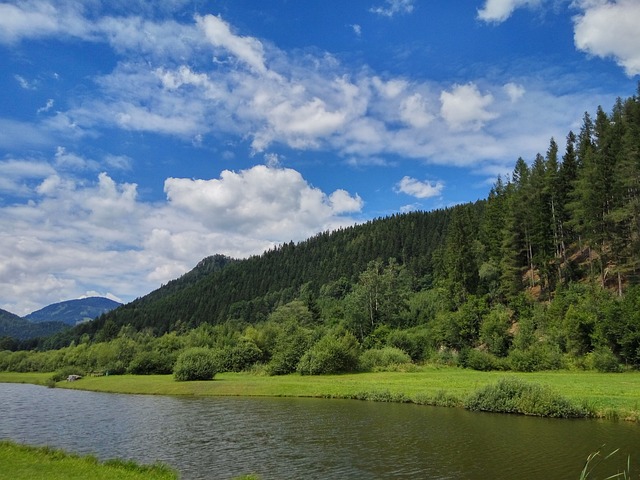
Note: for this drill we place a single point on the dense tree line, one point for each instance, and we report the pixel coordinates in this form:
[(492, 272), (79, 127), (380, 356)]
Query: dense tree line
[(542, 274)]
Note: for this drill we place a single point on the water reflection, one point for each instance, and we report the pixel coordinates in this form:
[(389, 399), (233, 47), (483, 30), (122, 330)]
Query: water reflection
[(305, 438)]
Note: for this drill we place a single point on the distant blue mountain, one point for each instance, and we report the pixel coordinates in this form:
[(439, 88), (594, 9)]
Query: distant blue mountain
[(73, 312)]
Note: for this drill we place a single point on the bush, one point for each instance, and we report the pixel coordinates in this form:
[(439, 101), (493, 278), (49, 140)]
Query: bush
[(535, 358), (516, 396), (288, 350), (382, 358), (196, 363), (603, 360), (494, 331), (413, 342), (331, 354), (239, 357), (480, 360), (152, 362)]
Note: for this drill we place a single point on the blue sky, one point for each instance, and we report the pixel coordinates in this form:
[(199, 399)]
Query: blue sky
[(136, 139)]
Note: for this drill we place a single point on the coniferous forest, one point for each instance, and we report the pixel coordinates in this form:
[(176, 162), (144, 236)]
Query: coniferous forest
[(542, 274)]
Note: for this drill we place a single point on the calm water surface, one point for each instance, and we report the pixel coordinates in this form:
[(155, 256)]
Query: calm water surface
[(219, 438)]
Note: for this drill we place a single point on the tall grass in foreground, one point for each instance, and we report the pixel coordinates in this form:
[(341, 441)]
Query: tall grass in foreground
[(595, 459)]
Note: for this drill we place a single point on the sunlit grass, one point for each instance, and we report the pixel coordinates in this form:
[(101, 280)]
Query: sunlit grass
[(21, 462), (609, 395)]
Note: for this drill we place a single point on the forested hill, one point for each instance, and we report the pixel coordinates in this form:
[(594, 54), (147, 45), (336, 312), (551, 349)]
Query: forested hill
[(14, 329), (75, 311), (542, 262), (220, 288)]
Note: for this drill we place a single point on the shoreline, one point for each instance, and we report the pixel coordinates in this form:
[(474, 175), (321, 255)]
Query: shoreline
[(614, 396)]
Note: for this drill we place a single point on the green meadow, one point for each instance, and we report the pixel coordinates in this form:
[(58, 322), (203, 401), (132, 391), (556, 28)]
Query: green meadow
[(604, 395)]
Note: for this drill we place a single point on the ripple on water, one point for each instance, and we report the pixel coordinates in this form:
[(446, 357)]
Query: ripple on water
[(280, 438)]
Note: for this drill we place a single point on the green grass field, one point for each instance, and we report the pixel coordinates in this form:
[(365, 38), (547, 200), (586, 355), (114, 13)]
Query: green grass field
[(609, 395), (21, 462)]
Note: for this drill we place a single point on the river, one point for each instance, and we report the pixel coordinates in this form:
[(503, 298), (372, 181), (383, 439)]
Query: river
[(279, 438)]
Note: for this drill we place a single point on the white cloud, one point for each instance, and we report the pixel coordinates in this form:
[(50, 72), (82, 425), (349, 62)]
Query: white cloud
[(24, 83), (602, 28), (20, 177), (341, 201), (71, 161), (464, 107), (47, 107), (500, 10), (610, 30), (419, 189), (275, 203), (118, 162), (514, 91), (272, 160), (247, 49), (36, 19), (414, 111), (391, 88), (393, 7), (258, 93), (72, 237)]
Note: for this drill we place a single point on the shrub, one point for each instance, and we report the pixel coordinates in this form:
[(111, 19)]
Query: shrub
[(480, 360), (289, 348), (196, 363), (603, 360), (535, 358), (331, 354), (516, 396), (152, 362), (413, 342), (494, 331), (382, 358), (239, 357)]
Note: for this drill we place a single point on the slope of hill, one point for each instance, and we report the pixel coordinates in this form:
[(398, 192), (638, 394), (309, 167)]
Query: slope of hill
[(72, 312), (247, 290), (13, 326)]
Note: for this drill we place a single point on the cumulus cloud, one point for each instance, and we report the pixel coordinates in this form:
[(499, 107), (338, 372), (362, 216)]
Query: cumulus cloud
[(602, 28), (464, 107), (70, 237), (266, 96), (393, 7), (419, 189), (271, 201), (610, 30)]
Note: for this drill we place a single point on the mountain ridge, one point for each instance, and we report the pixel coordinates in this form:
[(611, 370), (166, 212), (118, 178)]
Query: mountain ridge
[(72, 312)]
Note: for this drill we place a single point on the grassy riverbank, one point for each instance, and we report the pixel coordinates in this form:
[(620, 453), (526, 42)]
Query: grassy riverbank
[(21, 462), (615, 395)]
